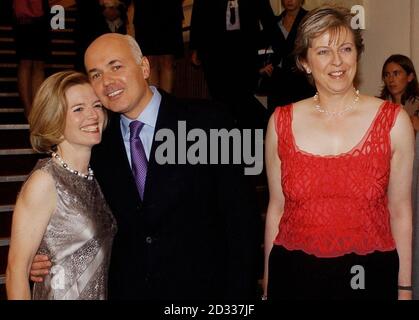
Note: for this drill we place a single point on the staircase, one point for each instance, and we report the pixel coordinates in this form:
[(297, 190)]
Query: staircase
[(16, 155)]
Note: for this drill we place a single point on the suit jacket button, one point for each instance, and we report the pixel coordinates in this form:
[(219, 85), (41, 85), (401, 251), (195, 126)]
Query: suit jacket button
[(149, 240)]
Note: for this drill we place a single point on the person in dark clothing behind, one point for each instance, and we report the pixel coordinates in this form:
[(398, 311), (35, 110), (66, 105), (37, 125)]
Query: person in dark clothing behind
[(224, 38), (92, 23), (115, 14), (32, 45), (158, 27), (287, 83)]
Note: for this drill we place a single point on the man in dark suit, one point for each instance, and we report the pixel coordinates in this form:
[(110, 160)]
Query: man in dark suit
[(191, 232), (92, 16), (288, 84), (224, 38)]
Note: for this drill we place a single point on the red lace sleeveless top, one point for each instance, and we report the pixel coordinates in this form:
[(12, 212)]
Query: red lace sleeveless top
[(335, 205)]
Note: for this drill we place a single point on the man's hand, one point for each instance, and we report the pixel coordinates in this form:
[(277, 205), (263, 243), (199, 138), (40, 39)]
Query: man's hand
[(267, 70), (405, 295), (40, 267)]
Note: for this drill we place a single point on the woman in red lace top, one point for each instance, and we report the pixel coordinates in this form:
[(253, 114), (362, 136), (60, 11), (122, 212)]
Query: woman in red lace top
[(339, 166)]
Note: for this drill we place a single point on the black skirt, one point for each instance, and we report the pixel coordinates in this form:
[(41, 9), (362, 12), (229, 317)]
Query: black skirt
[(299, 276)]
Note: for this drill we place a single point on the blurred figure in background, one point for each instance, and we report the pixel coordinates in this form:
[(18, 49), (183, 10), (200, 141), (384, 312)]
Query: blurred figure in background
[(288, 84), (115, 14), (97, 17), (225, 40), (401, 85), (32, 44), (158, 27)]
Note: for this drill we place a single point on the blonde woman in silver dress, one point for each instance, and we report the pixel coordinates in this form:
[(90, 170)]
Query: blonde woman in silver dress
[(61, 211)]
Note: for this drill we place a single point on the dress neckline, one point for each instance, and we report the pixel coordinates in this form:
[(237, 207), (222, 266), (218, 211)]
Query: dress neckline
[(357, 146)]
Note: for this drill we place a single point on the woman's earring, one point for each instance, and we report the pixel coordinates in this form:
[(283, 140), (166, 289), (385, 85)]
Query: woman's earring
[(308, 71)]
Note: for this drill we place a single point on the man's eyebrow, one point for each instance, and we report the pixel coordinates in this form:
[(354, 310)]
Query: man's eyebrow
[(93, 70), (113, 62), (110, 63)]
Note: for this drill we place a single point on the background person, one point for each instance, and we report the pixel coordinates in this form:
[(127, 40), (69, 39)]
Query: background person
[(97, 17), (288, 84), (32, 43), (115, 13), (224, 39), (158, 27), (401, 85)]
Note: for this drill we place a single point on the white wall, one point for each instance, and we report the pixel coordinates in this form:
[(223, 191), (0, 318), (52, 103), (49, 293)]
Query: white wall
[(414, 33)]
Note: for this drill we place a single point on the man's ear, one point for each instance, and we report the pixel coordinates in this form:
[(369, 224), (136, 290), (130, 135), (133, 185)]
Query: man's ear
[(145, 67)]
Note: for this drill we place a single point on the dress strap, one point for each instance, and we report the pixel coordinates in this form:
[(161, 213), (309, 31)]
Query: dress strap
[(388, 115), (283, 122), (378, 138)]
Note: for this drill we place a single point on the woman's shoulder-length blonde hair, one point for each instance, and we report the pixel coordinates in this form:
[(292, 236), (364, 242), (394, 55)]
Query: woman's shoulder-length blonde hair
[(48, 115)]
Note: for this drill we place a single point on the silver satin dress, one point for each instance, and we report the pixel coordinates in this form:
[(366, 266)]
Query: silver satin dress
[(78, 239)]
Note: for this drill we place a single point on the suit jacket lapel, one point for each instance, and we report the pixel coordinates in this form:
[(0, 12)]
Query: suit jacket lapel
[(294, 29), (161, 179), (293, 33)]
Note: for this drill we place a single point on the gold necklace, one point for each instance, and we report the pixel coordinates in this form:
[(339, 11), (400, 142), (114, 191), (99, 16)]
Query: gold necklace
[(318, 108)]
